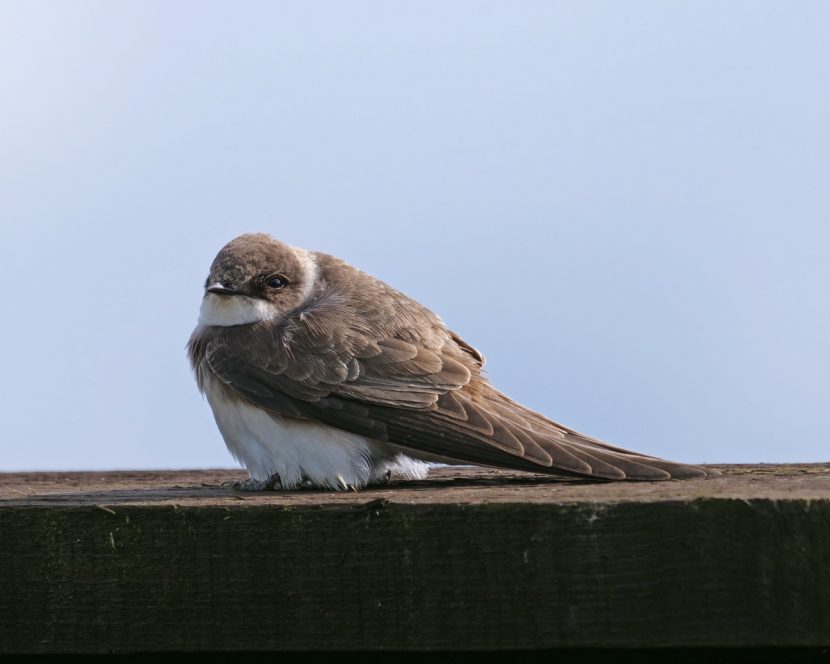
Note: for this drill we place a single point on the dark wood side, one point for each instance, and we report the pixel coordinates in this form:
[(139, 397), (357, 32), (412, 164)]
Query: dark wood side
[(474, 559)]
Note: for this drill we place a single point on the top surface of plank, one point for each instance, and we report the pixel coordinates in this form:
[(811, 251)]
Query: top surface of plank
[(459, 485)]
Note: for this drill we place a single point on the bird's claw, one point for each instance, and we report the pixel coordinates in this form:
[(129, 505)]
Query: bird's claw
[(343, 485), (250, 484)]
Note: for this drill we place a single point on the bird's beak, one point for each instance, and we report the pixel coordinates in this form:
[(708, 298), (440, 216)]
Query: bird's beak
[(221, 289)]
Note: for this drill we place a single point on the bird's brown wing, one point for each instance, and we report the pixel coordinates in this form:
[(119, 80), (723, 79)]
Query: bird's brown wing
[(427, 396)]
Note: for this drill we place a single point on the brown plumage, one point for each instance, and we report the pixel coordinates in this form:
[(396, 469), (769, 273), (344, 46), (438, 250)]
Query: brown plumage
[(326, 343)]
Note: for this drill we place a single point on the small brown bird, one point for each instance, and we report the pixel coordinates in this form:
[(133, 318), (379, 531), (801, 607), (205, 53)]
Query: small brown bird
[(320, 375)]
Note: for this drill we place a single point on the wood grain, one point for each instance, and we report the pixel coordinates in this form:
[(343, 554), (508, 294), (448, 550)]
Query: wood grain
[(471, 559)]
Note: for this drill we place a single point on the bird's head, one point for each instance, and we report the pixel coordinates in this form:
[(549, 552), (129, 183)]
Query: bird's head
[(255, 278)]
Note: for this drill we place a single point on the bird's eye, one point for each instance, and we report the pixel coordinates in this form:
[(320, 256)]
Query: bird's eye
[(277, 281)]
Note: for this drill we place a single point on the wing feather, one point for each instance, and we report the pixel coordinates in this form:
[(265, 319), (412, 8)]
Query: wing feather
[(420, 388)]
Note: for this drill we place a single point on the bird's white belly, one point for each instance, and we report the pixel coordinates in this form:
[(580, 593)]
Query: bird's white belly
[(301, 451)]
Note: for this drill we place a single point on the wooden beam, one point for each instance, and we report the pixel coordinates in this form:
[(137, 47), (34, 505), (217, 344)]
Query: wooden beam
[(471, 559)]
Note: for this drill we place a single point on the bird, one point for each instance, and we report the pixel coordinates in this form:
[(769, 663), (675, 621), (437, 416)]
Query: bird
[(321, 376)]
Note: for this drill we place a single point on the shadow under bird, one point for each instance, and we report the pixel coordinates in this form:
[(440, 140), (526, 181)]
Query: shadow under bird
[(320, 375)]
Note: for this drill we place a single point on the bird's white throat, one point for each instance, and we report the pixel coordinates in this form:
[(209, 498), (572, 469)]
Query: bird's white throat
[(223, 310)]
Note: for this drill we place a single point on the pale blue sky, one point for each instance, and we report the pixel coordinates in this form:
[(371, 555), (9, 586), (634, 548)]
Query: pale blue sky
[(624, 205)]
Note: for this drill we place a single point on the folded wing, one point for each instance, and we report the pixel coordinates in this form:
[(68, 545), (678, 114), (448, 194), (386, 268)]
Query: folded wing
[(423, 392)]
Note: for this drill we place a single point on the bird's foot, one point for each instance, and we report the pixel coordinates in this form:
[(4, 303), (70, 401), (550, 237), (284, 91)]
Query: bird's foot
[(342, 485), (271, 484)]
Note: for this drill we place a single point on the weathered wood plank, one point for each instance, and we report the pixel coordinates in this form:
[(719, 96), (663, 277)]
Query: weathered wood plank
[(473, 559)]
